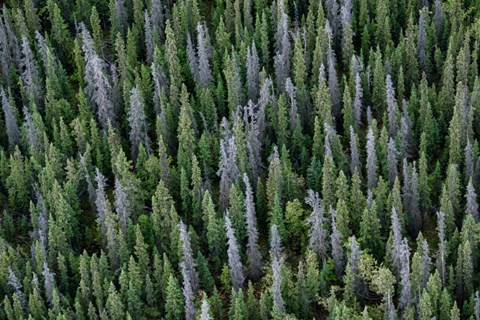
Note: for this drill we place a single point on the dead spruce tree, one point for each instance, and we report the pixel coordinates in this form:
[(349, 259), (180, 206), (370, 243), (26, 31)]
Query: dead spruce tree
[(137, 122), (204, 53), (122, 206), (355, 164), (188, 258), (227, 168), (471, 197), (253, 252), (275, 252), (253, 72), (30, 76), (188, 293), (337, 248), (234, 262), (99, 88), (252, 115), (317, 241), (13, 132), (442, 247), (392, 108), (357, 102)]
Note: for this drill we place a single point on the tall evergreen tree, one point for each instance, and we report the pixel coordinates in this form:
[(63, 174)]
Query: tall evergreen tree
[(173, 63), (173, 300), (186, 134), (422, 52)]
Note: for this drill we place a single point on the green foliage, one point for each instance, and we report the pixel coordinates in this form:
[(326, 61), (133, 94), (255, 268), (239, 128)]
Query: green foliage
[(74, 245), (173, 300), (296, 228)]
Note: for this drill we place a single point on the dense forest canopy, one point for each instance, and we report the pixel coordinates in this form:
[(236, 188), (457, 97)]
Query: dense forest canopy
[(239, 159)]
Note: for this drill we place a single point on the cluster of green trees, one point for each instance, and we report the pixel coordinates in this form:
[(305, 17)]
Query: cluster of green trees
[(239, 159)]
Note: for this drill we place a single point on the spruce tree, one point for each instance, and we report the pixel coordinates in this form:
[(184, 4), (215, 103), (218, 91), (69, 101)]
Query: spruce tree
[(173, 300), (471, 199), (99, 88), (253, 252), (188, 293), (391, 107), (13, 132), (422, 52), (234, 262), (205, 311), (253, 71), (442, 253), (275, 252), (370, 236), (227, 170), (282, 47), (405, 296), (371, 165), (396, 242), (29, 75), (317, 241), (357, 102), (186, 134), (188, 259), (49, 282), (337, 245), (173, 63), (214, 228), (114, 305), (333, 85), (137, 122), (204, 52), (16, 285)]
